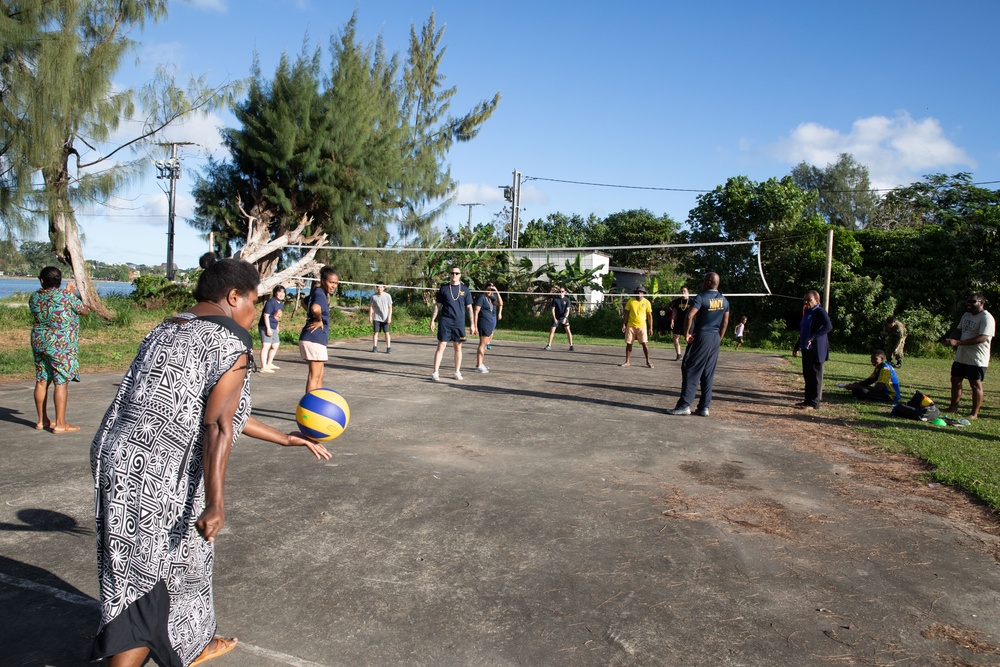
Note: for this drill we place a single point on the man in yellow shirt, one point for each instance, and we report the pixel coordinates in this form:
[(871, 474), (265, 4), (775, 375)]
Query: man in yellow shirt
[(637, 325)]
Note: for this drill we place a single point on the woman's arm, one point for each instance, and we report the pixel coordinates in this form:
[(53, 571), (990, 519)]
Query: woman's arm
[(220, 410), (258, 429)]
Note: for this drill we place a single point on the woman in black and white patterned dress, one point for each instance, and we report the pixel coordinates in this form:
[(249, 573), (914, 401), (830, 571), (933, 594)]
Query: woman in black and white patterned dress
[(159, 462)]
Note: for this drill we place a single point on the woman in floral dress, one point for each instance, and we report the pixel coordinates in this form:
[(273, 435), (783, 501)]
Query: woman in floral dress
[(55, 344)]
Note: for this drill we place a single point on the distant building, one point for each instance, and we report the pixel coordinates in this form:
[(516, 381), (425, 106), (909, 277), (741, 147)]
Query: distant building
[(588, 260)]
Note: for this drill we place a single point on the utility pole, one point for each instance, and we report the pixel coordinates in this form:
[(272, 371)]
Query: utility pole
[(171, 170), (469, 206), (512, 193)]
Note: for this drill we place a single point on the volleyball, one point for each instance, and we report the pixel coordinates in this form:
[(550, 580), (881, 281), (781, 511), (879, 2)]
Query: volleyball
[(322, 414)]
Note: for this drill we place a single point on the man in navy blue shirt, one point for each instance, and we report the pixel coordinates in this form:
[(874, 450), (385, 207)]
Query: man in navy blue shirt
[(704, 329), (815, 347), (453, 301)]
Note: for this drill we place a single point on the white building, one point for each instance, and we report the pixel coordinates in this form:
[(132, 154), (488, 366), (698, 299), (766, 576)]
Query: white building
[(589, 260)]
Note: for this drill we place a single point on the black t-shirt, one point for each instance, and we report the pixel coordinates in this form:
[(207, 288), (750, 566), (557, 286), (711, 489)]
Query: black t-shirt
[(561, 304), (453, 300)]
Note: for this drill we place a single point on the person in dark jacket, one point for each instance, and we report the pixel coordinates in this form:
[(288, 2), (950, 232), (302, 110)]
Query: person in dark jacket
[(815, 346)]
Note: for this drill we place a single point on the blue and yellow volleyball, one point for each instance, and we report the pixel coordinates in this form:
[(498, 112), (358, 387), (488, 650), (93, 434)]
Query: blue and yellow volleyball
[(322, 414)]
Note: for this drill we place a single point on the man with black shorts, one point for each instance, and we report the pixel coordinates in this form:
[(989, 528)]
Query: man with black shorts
[(560, 316), (453, 301), (705, 327), (971, 341), (678, 318)]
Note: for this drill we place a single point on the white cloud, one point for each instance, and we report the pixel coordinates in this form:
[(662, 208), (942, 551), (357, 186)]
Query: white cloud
[(468, 193), (209, 5), (897, 150)]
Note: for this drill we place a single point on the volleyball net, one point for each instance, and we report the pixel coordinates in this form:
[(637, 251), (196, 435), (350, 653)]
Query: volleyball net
[(422, 269)]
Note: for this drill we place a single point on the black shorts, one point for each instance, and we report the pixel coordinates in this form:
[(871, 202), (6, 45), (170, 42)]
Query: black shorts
[(564, 323), (968, 372), (381, 327), (449, 333)]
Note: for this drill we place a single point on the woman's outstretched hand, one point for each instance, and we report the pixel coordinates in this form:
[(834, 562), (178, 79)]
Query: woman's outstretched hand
[(318, 449)]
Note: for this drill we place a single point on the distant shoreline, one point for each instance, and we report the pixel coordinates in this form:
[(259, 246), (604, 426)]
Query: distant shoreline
[(113, 282)]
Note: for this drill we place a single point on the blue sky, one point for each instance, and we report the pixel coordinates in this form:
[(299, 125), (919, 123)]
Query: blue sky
[(657, 94)]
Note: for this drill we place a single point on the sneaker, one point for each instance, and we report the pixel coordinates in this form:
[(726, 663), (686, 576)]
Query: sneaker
[(570, 348), (488, 346), (680, 411), (436, 376), (679, 357), (482, 369), (374, 348), (548, 347), (388, 350), (457, 375), (702, 412)]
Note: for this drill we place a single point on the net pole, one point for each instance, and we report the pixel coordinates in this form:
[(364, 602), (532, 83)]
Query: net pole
[(829, 269)]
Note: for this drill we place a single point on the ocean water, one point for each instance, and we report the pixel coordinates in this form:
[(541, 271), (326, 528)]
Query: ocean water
[(11, 286)]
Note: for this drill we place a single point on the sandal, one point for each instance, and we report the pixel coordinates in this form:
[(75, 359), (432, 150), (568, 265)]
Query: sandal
[(222, 647), (69, 429)]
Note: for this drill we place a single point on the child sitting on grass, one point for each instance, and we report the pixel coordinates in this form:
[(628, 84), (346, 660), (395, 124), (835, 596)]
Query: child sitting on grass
[(881, 385)]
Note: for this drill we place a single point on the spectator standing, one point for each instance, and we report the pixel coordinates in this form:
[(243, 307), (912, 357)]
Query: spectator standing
[(560, 316), (895, 339), (705, 327), (815, 346), (55, 345), (971, 341), (380, 316)]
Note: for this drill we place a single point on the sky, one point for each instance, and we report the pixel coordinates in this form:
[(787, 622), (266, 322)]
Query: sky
[(667, 98)]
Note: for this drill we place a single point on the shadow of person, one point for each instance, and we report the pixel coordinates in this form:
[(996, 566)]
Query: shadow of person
[(11, 415), (42, 520), (45, 620)]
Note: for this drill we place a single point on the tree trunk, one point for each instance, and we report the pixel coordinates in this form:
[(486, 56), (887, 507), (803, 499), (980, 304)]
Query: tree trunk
[(65, 238), (264, 252)]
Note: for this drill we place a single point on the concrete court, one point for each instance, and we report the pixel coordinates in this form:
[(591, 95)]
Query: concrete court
[(547, 513)]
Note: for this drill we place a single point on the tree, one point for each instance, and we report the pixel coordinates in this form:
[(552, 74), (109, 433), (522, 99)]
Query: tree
[(430, 131), (559, 230), (634, 227), (61, 106), (843, 193), (356, 158)]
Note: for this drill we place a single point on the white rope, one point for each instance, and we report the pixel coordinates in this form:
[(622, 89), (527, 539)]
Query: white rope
[(512, 250)]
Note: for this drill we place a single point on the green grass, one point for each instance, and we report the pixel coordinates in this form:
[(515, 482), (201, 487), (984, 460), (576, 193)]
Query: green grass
[(968, 458)]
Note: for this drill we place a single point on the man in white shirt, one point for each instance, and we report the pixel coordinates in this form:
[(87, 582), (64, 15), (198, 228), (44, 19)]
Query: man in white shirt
[(971, 341)]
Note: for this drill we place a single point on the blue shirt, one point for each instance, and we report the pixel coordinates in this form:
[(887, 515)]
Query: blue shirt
[(712, 308), (270, 308), (322, 336), (453, 300), (485, 304)]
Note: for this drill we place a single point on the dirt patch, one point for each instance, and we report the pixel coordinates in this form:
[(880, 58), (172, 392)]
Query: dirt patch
[(967, 639), (866, 463)]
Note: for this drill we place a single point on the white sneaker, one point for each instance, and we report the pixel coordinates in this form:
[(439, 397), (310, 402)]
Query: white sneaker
[(436, 376), (482, 369), (548, 347), (457, 375)]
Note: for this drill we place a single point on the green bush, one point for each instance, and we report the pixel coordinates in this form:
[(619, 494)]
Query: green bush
[(605, 321), (156, 292), (924, 331)]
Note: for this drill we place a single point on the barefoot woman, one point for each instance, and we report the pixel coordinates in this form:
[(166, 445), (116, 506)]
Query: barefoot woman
[(159, 463)]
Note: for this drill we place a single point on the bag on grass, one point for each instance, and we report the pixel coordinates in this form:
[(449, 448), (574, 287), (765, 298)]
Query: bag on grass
[(919, 407)]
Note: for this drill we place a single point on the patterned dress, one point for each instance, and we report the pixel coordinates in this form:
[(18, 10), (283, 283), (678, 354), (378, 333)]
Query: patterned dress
[(55, 337), (155, 569)]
